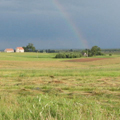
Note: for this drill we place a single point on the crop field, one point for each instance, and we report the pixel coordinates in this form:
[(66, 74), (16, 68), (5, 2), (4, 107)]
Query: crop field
[(37, 86)]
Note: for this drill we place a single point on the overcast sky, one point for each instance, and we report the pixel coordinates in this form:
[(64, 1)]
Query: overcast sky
[(58, 24)]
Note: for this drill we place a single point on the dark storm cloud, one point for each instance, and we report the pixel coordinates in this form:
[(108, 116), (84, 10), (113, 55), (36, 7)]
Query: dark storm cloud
[(42, 23)]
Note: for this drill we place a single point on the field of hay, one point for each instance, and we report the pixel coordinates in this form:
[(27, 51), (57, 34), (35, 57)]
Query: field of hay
[(38, 86)]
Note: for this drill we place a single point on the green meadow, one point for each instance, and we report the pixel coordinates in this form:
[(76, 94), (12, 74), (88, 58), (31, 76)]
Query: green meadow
[(37, 86)]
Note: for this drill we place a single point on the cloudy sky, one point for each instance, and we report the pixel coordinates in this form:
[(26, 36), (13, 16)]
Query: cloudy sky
[(57, 24)]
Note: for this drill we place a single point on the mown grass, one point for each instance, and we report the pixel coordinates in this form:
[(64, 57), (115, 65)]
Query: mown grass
[(34, 88), (38, 73)]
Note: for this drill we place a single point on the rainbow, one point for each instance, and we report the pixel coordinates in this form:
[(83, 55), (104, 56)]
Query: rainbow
[(71, 24)]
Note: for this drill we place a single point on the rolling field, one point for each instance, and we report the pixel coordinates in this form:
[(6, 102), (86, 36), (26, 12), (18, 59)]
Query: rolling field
[(36, 86)]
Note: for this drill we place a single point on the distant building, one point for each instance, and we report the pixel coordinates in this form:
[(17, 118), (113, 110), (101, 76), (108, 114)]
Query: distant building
[(9, 50), (20, 49), (85, 54)]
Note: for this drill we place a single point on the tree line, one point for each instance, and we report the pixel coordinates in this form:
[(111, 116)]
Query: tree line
[(94, 51)]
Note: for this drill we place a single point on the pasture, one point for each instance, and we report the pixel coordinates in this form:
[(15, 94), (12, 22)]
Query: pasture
[(36, 86)]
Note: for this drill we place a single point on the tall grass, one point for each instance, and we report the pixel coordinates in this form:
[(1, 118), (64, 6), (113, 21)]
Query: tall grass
[(43, 88), (53, 108)]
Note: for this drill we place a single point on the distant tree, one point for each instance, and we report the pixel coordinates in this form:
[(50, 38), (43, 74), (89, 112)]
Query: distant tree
[(71, 50), (29, 48), (95, 50), (24, 48), (110, 54)]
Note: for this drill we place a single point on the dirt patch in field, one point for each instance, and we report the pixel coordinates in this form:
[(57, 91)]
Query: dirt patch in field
[(56, 81), (86, 59)]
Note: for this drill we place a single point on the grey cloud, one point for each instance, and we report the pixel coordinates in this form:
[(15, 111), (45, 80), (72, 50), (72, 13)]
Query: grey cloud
[(41, 21)]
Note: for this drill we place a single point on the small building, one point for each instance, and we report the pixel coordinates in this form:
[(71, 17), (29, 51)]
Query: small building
[(9, 50), (85, 54), (20, 49)]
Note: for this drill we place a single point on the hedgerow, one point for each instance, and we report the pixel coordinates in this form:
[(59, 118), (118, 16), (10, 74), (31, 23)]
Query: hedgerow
[(69, 55)]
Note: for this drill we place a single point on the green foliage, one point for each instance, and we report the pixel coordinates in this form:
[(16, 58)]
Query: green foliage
[(45, 107), (50, 51), (110, 54), (69, 55), (29, 48), (94, 51)]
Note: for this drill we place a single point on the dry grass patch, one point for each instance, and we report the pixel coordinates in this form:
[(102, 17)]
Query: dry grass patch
[(87, 59), (37, 64), (105, 62)]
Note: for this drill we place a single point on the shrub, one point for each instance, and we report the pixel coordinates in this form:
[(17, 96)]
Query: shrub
[(110, 54), (69, 55)]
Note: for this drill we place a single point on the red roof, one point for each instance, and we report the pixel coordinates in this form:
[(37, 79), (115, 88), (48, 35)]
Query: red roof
[(20, 48), (9, 49)]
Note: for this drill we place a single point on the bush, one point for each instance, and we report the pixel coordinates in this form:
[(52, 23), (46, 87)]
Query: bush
[(69, 55), (110, 54)]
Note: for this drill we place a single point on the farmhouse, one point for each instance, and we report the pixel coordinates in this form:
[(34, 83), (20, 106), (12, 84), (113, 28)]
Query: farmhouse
[(19, 49), (9, 50)]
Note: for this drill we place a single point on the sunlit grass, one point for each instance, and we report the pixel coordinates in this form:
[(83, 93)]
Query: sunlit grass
[(38, 86)]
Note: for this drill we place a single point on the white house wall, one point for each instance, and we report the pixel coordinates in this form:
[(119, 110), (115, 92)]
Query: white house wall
[(19, 50)]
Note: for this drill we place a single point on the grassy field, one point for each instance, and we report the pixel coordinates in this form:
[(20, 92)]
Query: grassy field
[(36, 86)]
